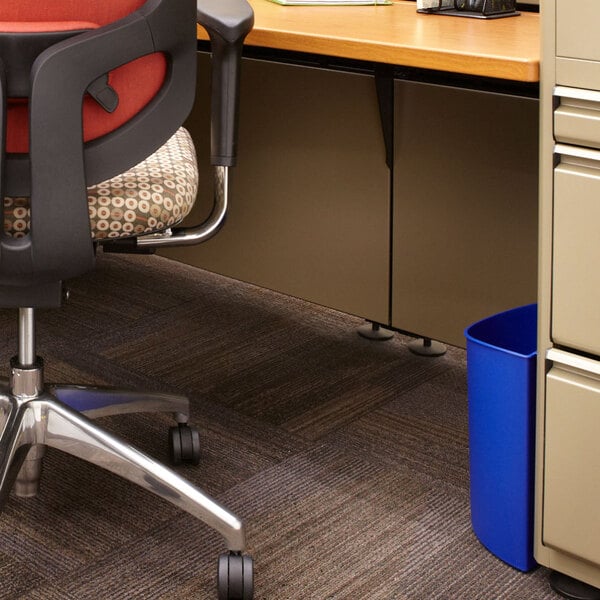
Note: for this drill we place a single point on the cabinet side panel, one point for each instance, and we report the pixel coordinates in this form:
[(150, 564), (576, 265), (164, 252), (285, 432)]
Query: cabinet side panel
[(543, 554)]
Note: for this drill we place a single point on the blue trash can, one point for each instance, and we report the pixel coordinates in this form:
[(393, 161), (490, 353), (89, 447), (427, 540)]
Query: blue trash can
[(501, 371)]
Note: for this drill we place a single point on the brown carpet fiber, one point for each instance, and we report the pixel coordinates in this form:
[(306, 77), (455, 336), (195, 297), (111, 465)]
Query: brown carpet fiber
[(347, 459)]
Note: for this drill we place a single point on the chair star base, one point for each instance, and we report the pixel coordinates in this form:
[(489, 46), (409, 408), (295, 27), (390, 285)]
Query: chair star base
[(33, 418)]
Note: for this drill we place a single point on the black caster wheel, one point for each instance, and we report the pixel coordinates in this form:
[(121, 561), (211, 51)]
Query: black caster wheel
[(235, 579), (184, 445)]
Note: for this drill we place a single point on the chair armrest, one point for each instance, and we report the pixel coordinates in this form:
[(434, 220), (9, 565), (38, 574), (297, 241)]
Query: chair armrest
[(227, 23), (230, 19)]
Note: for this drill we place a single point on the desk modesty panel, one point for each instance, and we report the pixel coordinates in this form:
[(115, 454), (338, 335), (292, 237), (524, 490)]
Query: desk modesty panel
[(330, 206), (465, 207), (502, 48)]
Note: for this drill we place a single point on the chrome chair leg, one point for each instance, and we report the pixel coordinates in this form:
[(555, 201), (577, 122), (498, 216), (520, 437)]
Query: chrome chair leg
[(75, 434), (97, 402), (27, 483), (33, 416), (44, 420), (12, 449)]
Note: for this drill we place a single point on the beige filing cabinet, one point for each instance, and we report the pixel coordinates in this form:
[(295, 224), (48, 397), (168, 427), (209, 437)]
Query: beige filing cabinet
[(567, 536), (312, 197)]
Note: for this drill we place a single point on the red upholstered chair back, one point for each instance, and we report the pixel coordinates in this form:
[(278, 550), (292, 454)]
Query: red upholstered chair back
[(99, 11), (136, 83), (61, 136)]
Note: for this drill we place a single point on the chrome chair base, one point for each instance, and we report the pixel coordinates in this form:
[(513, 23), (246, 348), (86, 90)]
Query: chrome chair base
[(33, 416)]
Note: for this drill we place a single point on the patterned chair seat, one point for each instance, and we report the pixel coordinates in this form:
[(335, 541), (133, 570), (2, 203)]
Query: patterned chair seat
[(154, 195)]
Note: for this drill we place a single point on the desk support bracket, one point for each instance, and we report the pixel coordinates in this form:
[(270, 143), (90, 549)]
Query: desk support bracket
[(384, 84)]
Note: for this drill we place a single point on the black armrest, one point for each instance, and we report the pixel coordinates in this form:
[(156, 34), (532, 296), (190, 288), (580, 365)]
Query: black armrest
[(227, 23)]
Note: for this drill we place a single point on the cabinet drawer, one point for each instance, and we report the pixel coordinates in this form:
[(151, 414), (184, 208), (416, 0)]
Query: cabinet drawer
[(571, 520), (577, 117), (576, 250), (577, 29)]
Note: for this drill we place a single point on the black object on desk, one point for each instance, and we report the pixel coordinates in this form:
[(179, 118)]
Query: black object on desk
[(478, 9)]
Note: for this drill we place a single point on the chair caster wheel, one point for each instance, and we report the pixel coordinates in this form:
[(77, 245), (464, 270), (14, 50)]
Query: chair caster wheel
[(235, 579), (184, 445)]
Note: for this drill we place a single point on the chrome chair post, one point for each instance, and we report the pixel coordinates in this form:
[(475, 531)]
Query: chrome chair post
[(26, 354)]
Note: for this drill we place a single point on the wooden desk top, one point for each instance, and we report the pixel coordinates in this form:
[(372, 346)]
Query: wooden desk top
[(504, 48)]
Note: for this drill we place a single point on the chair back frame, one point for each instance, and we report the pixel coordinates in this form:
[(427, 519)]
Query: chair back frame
[(60, 166)]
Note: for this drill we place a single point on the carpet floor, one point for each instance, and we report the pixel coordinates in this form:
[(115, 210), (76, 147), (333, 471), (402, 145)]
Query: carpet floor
[(347, 459)]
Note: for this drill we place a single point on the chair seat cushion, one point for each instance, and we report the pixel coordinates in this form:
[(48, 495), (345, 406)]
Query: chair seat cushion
[(154, 195)]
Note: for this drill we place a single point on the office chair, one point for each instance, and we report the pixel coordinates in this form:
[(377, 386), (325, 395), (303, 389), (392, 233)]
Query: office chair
[(92, 97)]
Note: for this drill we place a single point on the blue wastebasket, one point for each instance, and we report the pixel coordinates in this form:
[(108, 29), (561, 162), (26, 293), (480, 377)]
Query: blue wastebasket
[(501, 371)]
